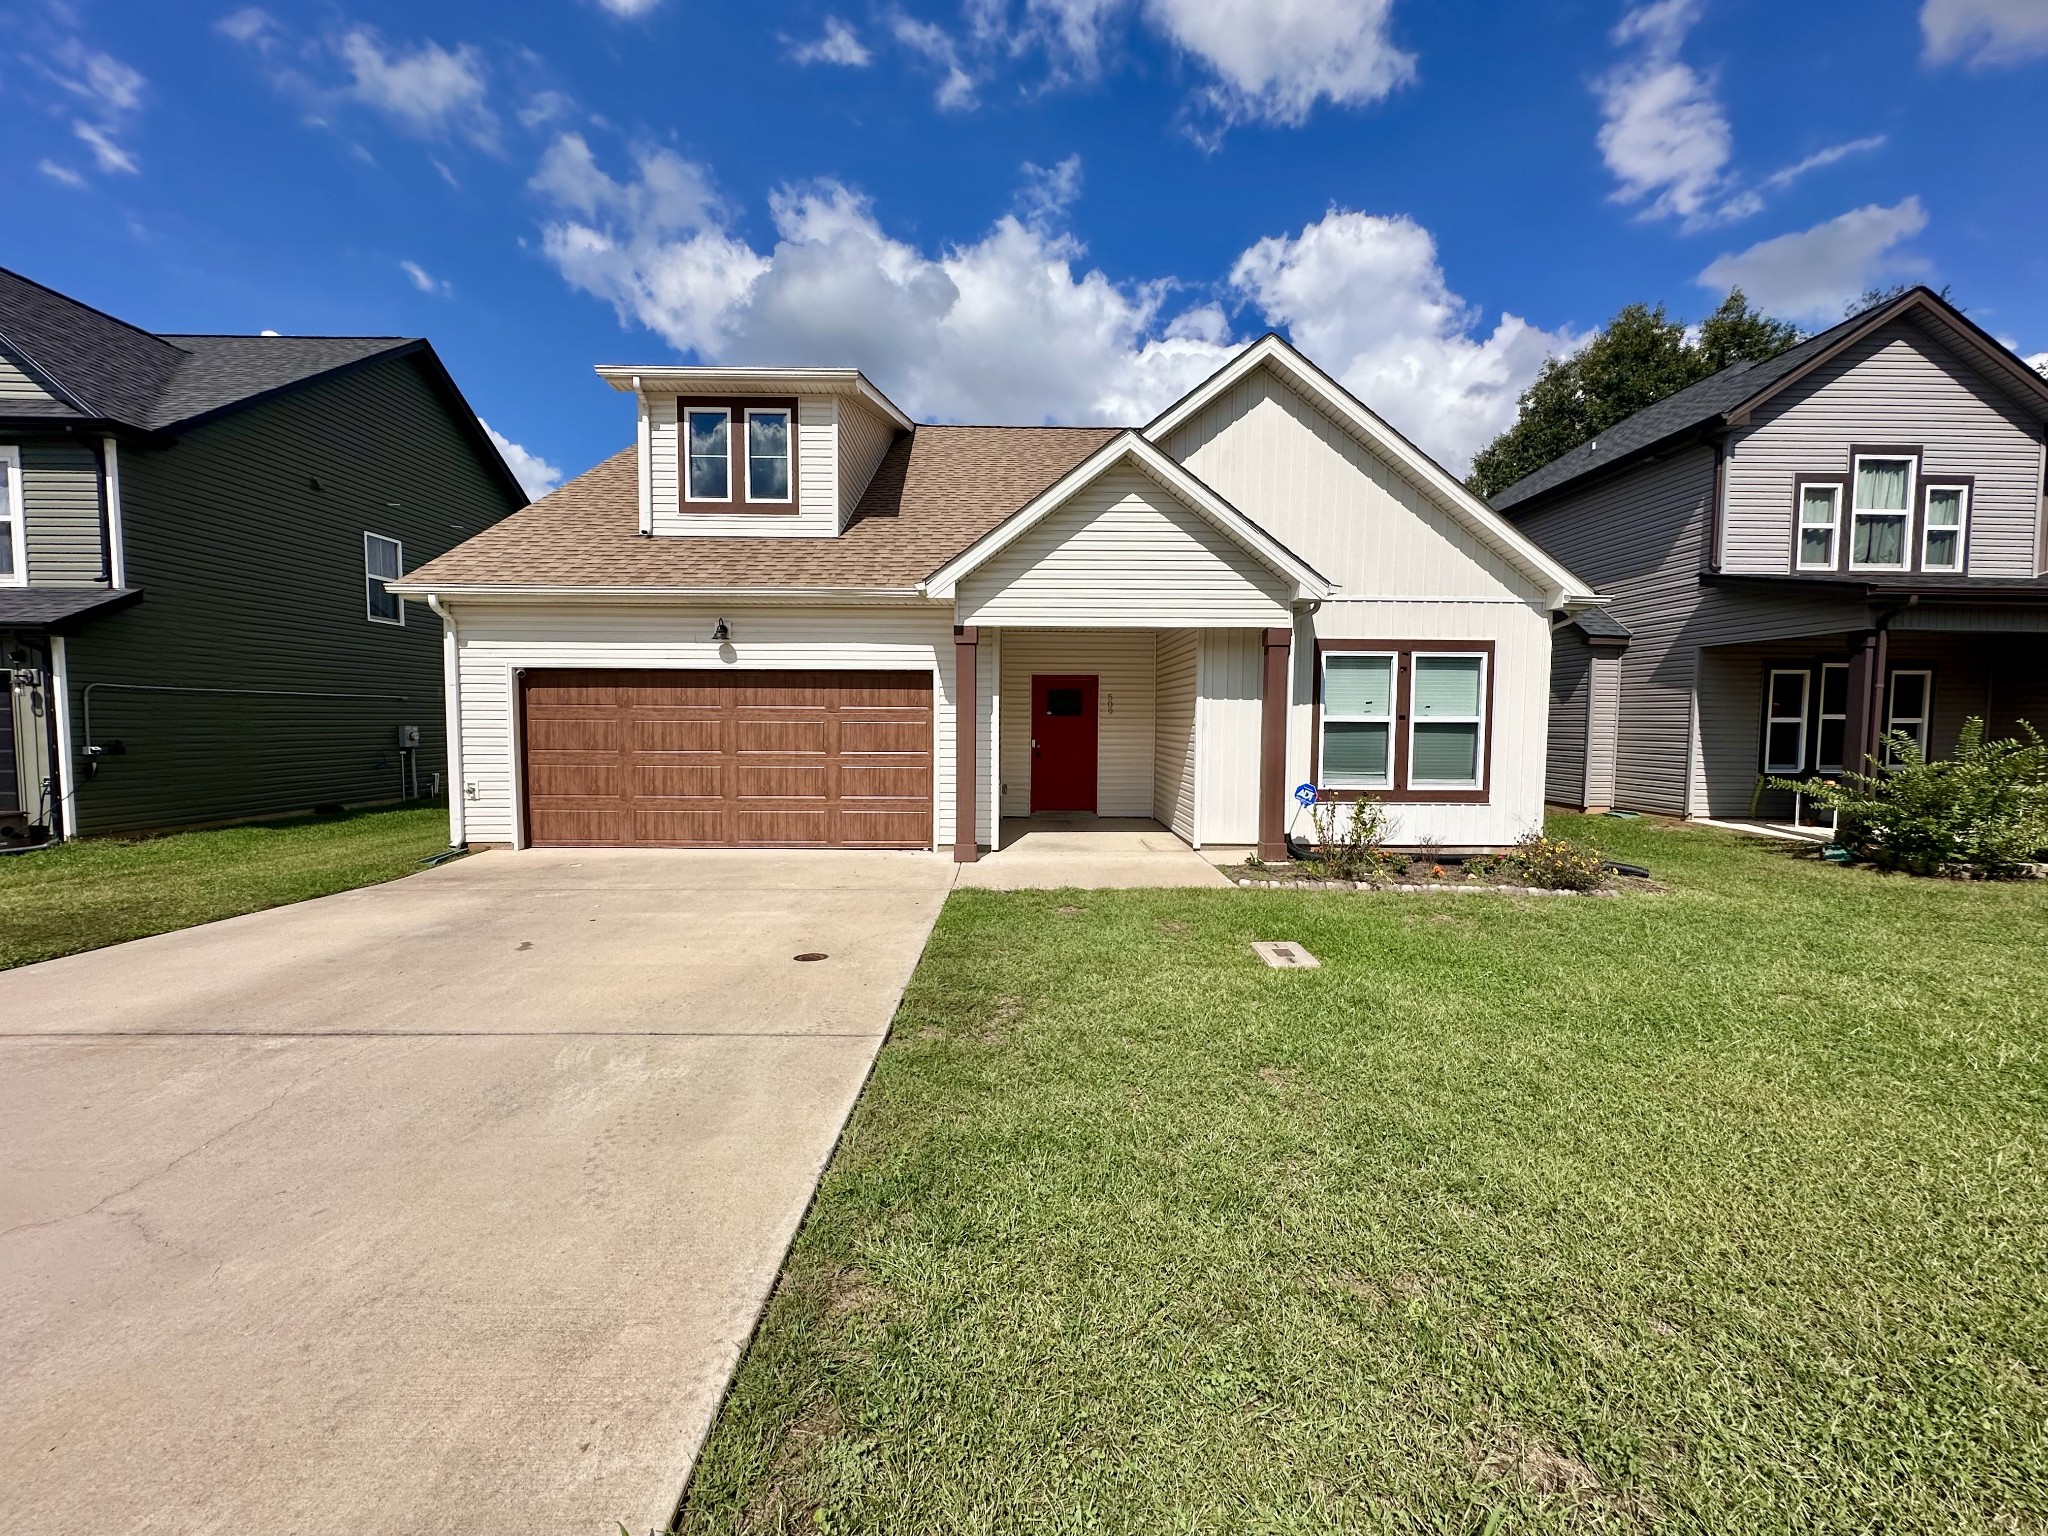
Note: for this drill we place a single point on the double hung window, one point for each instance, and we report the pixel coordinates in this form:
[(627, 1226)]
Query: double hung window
[(1409, 721), (1942, 524), (13, 532), (383, 561), (1880, 522)]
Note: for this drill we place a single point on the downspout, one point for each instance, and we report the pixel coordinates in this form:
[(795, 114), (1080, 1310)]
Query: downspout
[(60, 714), (451, 685), (645, 455), (117, 543)]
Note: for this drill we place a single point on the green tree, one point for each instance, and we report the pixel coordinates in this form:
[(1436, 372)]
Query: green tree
[(1639, 357), (1873, 296)]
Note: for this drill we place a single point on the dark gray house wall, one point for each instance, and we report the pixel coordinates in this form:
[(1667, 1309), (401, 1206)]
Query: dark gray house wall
[(1906, 384), (60, 492), (1571, 693), (246, 536)]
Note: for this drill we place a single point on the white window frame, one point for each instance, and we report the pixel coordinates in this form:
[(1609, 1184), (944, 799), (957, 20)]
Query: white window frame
[(1805, 676), (1821, 716), (1855, 512), (1478, 779), (1393, 660), (1833, 526), (370, 576), (748, 488), (17, 518), (1922, 722), (684, 433), (1962, 525)]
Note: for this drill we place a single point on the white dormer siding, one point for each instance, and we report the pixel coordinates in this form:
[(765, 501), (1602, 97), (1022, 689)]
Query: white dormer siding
[(817, 513), (864, 437)]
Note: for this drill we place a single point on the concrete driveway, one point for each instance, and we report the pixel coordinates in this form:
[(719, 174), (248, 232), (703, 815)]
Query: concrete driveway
[(443, 1206)]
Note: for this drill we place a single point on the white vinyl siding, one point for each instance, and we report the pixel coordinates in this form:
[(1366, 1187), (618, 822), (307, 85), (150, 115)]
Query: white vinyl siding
[(1298, 473), (1229, 719), (1904, 384), (496, 640), (1173, 746), (1124, 663), (817, 478), (1123, 551), (865, 437)]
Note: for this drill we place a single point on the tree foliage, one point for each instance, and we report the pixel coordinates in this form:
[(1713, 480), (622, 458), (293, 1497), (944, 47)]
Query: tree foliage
[(1639, 357)]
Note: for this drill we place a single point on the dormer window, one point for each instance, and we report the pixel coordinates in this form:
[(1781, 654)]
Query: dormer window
[(707, 430), (768, 455)]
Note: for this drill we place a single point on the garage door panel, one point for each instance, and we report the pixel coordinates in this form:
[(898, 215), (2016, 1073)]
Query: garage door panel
[(683, 759)]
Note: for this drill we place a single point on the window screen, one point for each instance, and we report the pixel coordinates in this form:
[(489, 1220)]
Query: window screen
[(1449, 694), (1358, 720)]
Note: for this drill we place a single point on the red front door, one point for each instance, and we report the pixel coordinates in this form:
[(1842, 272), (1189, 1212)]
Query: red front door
[(1062, 744)]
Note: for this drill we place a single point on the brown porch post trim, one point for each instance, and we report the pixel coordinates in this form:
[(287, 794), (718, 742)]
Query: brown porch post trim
[(1880, 661), (1273, 748), (1856, 734), (966, 723)]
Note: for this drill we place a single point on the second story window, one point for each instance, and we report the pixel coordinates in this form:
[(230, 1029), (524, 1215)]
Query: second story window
[(1880, 523), (1820, 526), (768, 455), (707, 434), (383, 561), (13, 530), (1941, 538)]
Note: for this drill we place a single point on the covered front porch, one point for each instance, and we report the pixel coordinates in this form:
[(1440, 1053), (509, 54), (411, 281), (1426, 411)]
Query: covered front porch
[(1118, 736)]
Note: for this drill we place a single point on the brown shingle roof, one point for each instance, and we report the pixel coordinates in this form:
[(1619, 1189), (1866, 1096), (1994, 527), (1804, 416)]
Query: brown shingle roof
[(937, 491)]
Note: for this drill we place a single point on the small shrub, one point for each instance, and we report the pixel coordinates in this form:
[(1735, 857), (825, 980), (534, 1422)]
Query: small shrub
[(1555, 863), (1983, 809), (1349, 840)]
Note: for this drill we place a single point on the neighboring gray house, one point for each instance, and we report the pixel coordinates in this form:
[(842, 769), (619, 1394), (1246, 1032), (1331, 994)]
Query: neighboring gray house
[(195, 532), (1796, 557)]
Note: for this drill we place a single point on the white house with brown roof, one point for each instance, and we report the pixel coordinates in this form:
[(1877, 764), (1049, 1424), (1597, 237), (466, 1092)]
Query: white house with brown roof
[(791, 616)]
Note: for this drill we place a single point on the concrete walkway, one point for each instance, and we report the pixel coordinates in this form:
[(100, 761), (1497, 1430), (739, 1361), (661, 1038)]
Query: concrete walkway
[(1052, 853), (441, 1206)]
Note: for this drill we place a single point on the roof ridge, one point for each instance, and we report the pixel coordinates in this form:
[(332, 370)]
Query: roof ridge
[(286, 336), (94, 309)]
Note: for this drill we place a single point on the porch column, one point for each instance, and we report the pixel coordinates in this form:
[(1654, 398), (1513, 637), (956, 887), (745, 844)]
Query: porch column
[(1863, 731), (1273, 749), (966, 653)]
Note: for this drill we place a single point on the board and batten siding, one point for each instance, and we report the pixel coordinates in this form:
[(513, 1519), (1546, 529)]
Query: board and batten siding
[(1310, 482), (817, 513), (865, 436), (1124, 551), (1901, 385), (60, 494), (16, 382), (1520, 684), (1124, 663), (246, 537), (1228, 722), (1173, 745), (495, 641)]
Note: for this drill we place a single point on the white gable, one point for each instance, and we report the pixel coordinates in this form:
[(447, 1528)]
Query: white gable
[(1123, 551), (1311, 483)]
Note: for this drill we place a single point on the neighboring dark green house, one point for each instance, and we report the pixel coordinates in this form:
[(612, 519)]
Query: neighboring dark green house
[(194, 536)]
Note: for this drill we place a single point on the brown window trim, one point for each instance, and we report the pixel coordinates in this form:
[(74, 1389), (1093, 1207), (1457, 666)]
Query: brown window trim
[(1912, 451), (735, 456), (1404, 653)]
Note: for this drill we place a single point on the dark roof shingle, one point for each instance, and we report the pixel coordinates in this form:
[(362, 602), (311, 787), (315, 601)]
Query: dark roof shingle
[(938, 489)]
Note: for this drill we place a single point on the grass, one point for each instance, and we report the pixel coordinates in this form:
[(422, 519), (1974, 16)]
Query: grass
[(1718, 1210), (99, 891)]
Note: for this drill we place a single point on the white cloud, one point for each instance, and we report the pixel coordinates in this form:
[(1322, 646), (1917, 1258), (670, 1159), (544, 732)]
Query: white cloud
[(1014, 326), (1812, 274), (106, 154), (956, 92), (544, 107), (425, 281), (630, 9), (1276, 59), (63, 173), (1664, 135), (533, 472), (1982, 32), (106, 92), (1777, 181), (429, 92), (248, 26), (839, 44), (1048, 193), (1365, 296)]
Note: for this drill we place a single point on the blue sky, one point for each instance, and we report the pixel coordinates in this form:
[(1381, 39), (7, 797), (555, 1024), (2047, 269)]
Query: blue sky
[(1018, 210)]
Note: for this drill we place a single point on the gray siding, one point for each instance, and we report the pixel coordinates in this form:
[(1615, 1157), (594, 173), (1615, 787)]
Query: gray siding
[(1571, 692), (1603, 711), (246, 536), (15, 382), (60, 493), (1901, 385)]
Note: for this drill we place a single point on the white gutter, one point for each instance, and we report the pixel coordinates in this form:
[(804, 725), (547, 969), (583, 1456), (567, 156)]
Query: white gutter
[(67, 789), (675, 378), (451, 687), (756, 596), (117, 550)]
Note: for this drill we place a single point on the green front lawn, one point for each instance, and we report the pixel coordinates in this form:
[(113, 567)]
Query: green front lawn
[(101, 890), (1717, 1210)]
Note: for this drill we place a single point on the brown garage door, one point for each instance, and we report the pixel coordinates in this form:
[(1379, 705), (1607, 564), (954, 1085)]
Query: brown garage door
[(728, 759)]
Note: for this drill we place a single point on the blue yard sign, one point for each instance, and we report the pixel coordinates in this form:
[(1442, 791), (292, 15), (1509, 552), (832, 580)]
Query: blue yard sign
[(1305, 794)]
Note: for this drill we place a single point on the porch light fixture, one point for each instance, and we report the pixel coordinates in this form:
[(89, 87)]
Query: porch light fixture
[(723, 633)]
